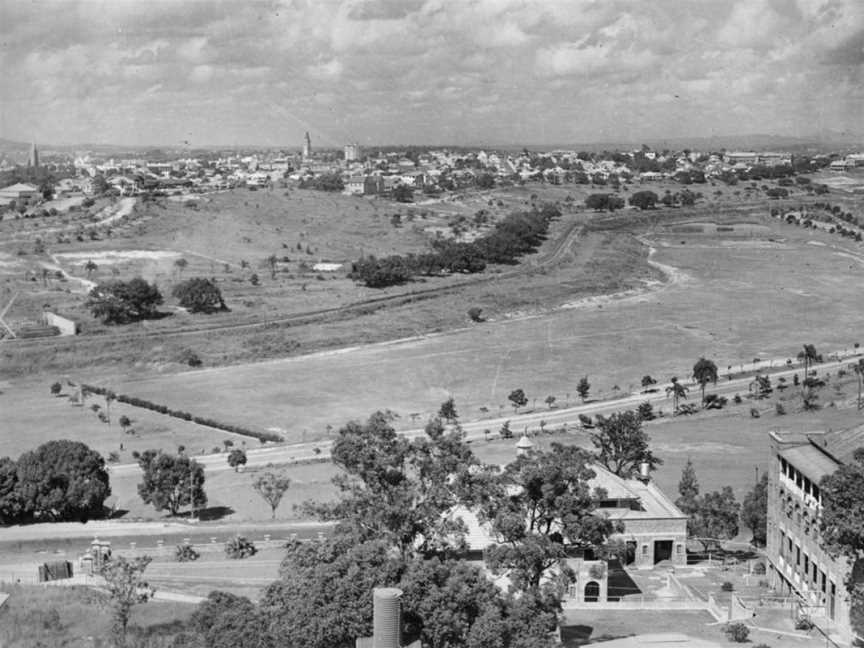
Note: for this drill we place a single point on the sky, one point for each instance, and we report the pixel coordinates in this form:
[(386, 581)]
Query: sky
[(174, 73)]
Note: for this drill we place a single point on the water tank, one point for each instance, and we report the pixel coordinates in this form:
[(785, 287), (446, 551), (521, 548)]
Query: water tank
[(645, 471), (386, 617)]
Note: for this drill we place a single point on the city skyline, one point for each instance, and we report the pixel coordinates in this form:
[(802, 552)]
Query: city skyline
[(421, 72)]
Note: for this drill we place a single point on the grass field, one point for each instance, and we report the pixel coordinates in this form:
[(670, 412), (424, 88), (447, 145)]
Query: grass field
[(73, 617), (737, 297)]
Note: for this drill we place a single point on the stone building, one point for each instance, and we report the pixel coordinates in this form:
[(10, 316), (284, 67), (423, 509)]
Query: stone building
[(798, 565)]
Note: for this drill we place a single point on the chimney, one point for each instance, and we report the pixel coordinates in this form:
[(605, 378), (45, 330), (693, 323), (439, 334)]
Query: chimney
[(386, 617)]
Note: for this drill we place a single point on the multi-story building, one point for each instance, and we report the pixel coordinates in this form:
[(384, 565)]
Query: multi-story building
[(798, 564), (352, 152)]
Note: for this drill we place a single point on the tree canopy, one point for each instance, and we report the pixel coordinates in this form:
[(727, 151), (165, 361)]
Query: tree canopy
[(171, 482), (543, 505), (622, 444), (59, 480), (199, 295), (704, 371), (754, 511), (120, 302)]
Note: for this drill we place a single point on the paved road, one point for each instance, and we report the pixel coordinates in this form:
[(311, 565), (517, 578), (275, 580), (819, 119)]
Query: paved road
[(519, 423)]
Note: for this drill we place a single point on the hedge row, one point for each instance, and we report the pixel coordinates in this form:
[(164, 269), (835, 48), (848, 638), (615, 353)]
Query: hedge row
[(134, 401)]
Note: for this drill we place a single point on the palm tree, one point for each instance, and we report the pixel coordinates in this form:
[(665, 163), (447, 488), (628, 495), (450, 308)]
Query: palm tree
[(858, 368), (677, 390), (808, 356), (704, 371), (181, 264), (90, 266)]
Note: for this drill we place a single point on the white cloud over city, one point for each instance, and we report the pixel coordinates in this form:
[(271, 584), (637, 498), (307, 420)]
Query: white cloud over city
[(427, 71)]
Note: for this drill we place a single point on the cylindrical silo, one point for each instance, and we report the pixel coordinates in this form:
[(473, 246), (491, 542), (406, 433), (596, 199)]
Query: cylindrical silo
[(386, 617)]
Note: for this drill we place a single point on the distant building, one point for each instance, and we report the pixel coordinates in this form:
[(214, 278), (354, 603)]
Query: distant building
[(33, 158), (798, 564), (352, 152), (307, 146), (20, 192), (364, 185)]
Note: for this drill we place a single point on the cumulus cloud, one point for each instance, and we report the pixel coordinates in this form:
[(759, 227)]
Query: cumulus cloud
[(419, 70)]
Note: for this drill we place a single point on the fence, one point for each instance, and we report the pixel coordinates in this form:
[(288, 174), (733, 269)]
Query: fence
[(639, 603)]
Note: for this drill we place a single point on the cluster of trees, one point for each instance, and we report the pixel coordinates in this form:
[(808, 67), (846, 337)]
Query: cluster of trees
[(323, 182), (395, 526), (715, 516), (59, 480), (604, 202), (122, 302), (514, 236)]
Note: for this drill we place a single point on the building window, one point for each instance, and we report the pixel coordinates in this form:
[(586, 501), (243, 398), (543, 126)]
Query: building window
[(797, 556), (679, 549), (644, 550)]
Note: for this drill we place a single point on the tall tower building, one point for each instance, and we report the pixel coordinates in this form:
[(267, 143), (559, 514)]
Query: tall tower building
[(307, 146), (352, 152), (33, 159)]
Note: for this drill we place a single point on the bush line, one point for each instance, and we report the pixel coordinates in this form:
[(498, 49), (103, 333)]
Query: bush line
[(134, 401)]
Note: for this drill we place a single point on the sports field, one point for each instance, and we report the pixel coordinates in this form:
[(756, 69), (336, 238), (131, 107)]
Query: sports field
[(734, 297)]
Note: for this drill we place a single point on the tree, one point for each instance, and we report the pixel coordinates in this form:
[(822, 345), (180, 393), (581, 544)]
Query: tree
[(542, 506), (226, 620), (90, 267), (271, 488), (171, 481), (677, 391), (272, 260), (124, 422), (199, 295), (550, 401), (400, 490), (120, 302), (403, 193), (124, 580), (447, 411), (704, 371), (688, 490), (808, 356), (644, 200), (56, 388), (323, 596), (621, 444), (716, 518), (99, 185), (841, 525), (648, 381), (754, 511), (236, 458), (858, 368), (11, 504), (62, 480), (583, 388), (518, 398)]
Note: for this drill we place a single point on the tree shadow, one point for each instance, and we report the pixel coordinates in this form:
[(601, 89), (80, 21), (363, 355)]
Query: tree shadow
[(208, 514), (581, 635), (116, 514)]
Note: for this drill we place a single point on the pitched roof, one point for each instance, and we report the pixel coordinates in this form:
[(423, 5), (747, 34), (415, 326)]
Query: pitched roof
[(839, 445), (811, 461)]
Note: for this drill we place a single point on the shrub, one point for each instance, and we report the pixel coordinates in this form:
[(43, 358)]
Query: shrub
[(188, 357), (737, 632), (56, 388), (727, 586), (646, 411), (803, 624), (475, 313), (186, 553), (754, 413), (239, 547), (780, 409), (759, 568), (737, 399)]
